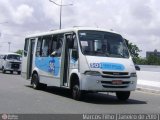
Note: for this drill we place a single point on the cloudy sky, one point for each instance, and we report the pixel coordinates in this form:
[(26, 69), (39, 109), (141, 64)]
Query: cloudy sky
[(137, 20)]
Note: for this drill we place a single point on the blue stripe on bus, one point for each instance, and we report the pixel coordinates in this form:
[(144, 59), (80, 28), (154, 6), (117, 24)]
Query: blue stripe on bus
[(108, 66), (48, 64)]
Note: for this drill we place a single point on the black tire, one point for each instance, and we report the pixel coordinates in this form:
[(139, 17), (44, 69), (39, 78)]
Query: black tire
[(3, 70), (76, 92), (123, 95), (19, 72), (35, 82), (11, 72)]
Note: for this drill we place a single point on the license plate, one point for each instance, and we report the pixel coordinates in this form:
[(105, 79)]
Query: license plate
[(117, 82)]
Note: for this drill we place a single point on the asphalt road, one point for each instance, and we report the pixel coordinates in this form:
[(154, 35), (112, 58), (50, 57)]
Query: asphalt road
[(17, 96)]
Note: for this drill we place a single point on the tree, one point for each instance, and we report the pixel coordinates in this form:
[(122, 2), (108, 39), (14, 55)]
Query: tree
[(134, 50), (153, 60), (141, 61), (19, 52)]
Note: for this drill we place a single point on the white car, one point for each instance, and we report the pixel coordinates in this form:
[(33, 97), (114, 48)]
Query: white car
[(10, 62)]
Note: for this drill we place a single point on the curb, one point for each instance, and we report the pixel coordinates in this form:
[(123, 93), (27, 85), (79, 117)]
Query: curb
[(150, 90)]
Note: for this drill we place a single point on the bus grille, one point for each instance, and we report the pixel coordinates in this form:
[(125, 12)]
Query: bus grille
[(107, 74), (115, 73), (15, 66), (108, 84)]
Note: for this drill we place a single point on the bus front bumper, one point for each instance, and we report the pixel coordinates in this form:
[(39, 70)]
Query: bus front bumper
[(100, 84)]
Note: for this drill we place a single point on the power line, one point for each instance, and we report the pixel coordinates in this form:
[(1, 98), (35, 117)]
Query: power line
[(61, 3), (3, 22), (16, 35)]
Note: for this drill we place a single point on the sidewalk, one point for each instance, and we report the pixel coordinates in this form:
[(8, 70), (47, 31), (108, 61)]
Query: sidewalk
[(148, 81)]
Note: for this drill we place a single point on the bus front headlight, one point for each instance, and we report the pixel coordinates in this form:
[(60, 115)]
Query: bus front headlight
[(93, 73), (133, 75)]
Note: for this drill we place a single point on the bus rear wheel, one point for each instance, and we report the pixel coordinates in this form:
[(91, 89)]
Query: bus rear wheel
[(36, 84), (35, 81), (123, 95)]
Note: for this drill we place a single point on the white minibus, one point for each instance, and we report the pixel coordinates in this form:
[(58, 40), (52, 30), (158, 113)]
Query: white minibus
[(80, 59), (10, 62)]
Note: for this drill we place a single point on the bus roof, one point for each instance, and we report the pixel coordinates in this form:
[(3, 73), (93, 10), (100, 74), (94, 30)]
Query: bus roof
[(8, 53), (75, 29)]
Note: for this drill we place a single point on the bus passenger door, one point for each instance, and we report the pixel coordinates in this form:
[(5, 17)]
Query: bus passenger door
[(1, 58), (31, 55), (65, 60), (27, 59), (24, 67)]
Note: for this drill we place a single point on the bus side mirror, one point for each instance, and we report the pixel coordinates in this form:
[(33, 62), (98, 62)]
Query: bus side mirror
[(70, 41)]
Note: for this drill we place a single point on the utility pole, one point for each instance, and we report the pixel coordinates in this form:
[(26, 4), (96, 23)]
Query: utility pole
[(60, 5), (9, 43), (0, 32), (2, 23)]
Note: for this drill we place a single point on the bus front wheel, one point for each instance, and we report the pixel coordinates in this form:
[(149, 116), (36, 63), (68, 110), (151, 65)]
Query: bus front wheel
[(76, 92), (123, 95)]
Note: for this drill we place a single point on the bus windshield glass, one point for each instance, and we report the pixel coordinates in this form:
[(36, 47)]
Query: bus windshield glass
[(14, 57), (99, 43)]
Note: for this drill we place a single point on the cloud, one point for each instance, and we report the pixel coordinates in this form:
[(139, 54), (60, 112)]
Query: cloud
[(22, 13), (14, 14), (136, 20)]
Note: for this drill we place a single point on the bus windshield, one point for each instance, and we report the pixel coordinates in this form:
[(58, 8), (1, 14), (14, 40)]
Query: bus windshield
[(14, 57), (99, 43)]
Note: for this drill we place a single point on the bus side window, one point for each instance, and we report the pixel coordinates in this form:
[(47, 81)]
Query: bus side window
[(46, 46), (38, 49), (57, 44), (5, 57), (75, 49), (50, 41), (26, 47), (54, 43)]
